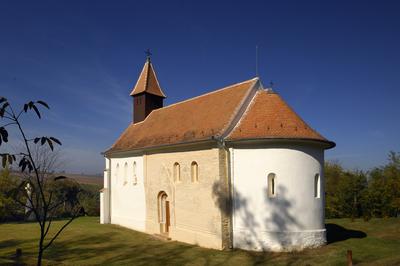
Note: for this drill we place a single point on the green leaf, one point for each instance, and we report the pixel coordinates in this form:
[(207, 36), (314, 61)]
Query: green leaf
[(4, 134), (44, 104), (25, 163), (36, 140), (30, 167), (50, 144), (3, 109), (25, 107), (36, 110), (2, 99), (56, 140), (43, 140), (9, 159)]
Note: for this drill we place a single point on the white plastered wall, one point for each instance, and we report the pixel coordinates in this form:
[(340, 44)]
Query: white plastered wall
[(105, 196), (294, 218), (128, 204)]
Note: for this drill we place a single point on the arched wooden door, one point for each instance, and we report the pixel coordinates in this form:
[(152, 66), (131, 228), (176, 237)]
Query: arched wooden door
[(163, 212)]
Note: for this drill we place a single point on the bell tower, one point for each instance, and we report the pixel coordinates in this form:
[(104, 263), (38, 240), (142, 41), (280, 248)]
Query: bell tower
[(147, 94)]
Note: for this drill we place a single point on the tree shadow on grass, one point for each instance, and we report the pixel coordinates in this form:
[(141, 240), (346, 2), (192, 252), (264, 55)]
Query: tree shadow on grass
[(337, 233), (10, 243), (84, 248), (109, 249), (9, 258)]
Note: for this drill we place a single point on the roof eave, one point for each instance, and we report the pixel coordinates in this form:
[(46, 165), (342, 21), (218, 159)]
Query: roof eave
[(110, 152), (327, 144), (143, 92)]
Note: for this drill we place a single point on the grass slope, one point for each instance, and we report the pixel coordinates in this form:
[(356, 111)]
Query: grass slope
[(86, 242)]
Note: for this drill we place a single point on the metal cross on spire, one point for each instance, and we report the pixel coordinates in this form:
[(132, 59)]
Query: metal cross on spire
[(148, 54)]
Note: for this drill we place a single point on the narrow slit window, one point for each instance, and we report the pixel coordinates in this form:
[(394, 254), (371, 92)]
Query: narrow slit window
[(271, 185), (317, 186), (125, 173), (195, 172), (134, 173), (116, 173), (177, 172)]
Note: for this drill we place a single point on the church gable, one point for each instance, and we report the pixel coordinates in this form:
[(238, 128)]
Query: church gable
[(201, 118), (270, 117)]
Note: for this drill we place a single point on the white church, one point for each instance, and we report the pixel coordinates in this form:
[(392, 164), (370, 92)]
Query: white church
[(232, 168)]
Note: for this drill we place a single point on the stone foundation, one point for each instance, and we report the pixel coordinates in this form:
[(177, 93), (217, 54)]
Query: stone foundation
[(279, 241)]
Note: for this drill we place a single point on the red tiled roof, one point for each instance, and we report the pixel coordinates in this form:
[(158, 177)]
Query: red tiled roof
[(213, 115), (196, 119), (269, 116), (148, 82)]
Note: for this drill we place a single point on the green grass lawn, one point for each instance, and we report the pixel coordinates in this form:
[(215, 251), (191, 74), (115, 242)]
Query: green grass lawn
[(86, 242)]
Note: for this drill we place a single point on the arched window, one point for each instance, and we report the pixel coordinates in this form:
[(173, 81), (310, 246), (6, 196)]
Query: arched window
[(317, 186), (195, 172), (271, 185), (125, 173), (177, 172), (116, 173), (134, 173)]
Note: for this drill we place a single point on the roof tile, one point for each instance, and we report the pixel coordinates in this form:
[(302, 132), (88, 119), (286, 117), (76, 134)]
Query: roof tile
[(269, 116), (199, 118), (148, 82), (210, 115)]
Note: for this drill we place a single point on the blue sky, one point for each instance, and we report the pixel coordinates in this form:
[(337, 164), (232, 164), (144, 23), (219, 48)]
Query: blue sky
[(337, 63)]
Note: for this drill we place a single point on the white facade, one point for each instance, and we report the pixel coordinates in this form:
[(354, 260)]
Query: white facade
[(290, 218), (123, 199), (281, 215)]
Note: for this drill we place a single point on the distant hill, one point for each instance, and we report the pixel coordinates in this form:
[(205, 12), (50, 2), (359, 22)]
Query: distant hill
[(86, 179), (80, 178)]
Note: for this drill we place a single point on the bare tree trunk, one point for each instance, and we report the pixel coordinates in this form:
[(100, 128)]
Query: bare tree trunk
[(40, 251), (39, 258)]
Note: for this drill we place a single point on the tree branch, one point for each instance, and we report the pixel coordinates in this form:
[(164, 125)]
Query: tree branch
[(8, 124), (30, 207), (56, 205), (61, 229), (8, 117), (31, 159), (23, 204), (20, 113), (7, 112)]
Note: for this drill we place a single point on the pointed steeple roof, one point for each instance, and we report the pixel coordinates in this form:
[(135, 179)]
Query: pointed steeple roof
[(147, 81)]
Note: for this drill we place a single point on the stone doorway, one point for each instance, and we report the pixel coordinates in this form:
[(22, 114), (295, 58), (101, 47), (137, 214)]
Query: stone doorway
[(163, 213)]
